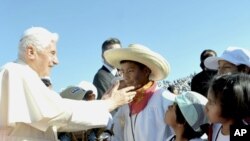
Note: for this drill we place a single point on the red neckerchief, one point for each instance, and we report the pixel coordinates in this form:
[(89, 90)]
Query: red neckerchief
[(142, 97)]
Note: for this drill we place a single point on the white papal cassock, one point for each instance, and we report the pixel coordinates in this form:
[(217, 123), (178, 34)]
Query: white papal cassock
[(29, 111)]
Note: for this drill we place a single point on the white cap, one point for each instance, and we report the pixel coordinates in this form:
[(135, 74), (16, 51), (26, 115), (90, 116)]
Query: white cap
[(234, 55), (87, 86), (192, 106), (78, 92), (73, 92)]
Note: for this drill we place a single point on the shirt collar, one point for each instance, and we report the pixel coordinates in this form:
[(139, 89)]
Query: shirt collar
[(112, 70)]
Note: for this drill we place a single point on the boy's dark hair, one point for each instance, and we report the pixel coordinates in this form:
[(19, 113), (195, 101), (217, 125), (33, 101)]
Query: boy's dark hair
[(140, 65), (233, 93), (189, 132)]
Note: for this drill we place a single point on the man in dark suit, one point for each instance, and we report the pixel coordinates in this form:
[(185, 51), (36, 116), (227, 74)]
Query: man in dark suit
[(199, 82), (103, 78)]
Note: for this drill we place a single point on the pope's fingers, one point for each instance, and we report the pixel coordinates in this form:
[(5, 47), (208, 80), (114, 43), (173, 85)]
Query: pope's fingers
[(129, 88), (130, 95), (115, 86)]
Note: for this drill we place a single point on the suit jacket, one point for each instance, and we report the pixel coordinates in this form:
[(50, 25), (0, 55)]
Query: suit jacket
[(200, 81), (103, 80)]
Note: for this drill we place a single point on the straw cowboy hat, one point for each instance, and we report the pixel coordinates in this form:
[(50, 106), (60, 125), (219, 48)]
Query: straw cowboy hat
[(159, 67)]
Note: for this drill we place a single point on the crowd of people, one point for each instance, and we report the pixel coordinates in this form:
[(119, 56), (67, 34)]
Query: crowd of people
[(126, 100), (179, 85)]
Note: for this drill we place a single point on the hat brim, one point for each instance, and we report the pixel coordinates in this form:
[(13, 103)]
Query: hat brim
[(212, 62), (87, 86), (160, 68), (73, 92), (192, 105)]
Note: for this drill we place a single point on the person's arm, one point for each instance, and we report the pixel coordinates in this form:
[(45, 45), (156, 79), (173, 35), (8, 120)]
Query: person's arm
[(117, 97), (93, 114), (84, 115), (26, 99)]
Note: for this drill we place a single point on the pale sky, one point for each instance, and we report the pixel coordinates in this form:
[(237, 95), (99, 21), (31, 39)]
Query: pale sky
[(177, 29)]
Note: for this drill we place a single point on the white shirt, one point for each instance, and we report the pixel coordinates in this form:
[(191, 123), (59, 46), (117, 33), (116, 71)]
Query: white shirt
[(31, 111), (217, 135), (112, 70), (195, 139), (222, 137), (148, 125)]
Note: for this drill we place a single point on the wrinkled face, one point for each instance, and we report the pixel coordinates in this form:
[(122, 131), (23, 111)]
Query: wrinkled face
[(170, 115), (133, 75), (226, 67), (213, 108), (43, 61)]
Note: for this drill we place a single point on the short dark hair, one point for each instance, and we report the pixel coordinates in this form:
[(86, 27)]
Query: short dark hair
[(232, 91), (109, 42), (205, 54)]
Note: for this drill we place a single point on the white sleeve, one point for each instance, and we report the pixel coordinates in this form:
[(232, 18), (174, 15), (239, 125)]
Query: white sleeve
[(85, 114), (24, 98)]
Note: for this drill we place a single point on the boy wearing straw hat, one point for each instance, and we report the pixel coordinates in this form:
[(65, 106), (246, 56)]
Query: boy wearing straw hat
[(143, 118)]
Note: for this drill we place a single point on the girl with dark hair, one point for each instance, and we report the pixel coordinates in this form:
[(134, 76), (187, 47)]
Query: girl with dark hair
[(186, 116), (228, 104)]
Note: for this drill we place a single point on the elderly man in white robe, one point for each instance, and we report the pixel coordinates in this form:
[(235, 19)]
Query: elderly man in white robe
[(143, 118), (29, 111)]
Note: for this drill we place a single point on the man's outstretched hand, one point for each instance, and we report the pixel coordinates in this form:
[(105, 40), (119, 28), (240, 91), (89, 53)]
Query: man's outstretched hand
[(117, 97)]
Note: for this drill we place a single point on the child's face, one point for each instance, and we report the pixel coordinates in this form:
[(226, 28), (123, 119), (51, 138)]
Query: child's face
[(213, 109), (89, 96), (170, 115), (134, 75), (226, 67)]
